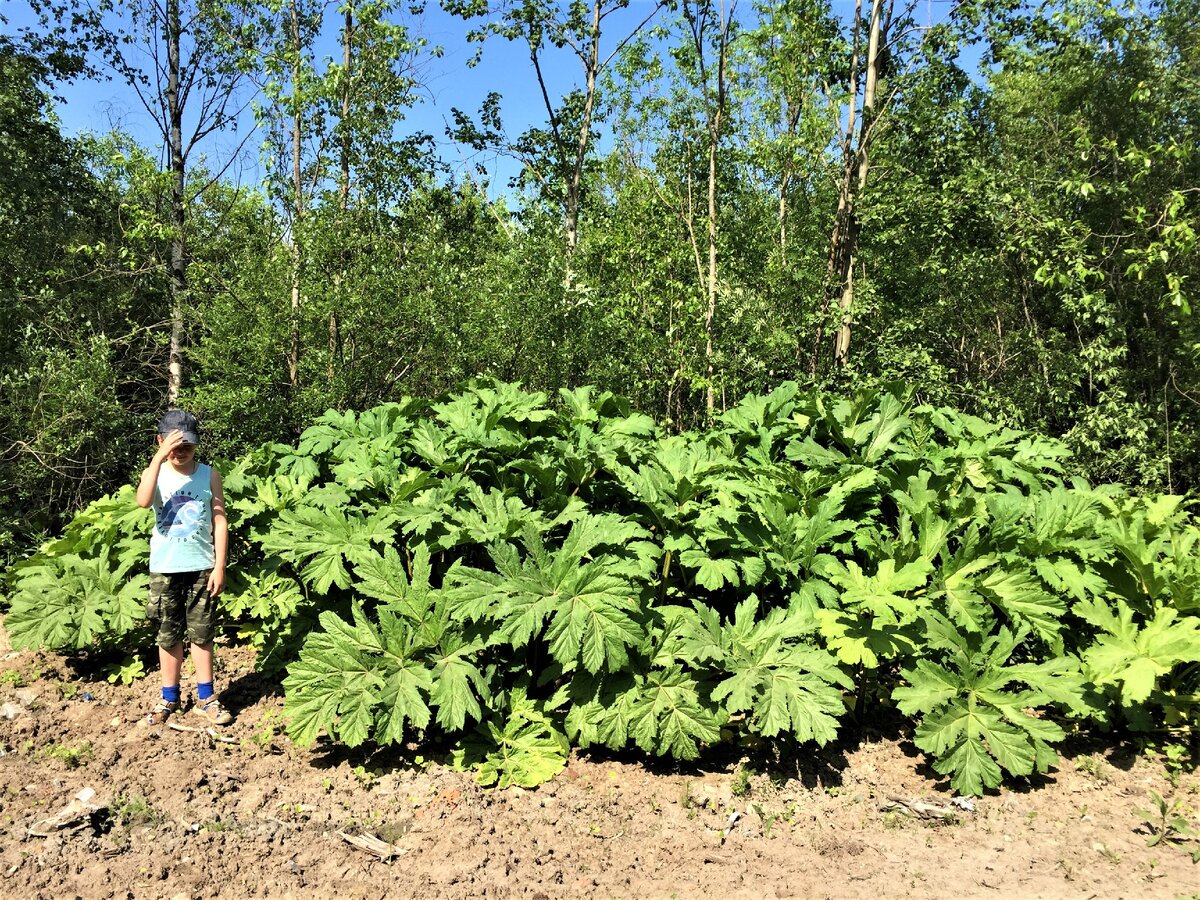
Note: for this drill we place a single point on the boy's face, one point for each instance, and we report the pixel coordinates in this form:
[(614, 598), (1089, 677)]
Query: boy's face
[(181, 454)]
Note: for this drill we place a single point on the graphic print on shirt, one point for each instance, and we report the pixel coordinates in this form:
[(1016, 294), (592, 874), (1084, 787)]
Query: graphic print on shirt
[(181, 516)]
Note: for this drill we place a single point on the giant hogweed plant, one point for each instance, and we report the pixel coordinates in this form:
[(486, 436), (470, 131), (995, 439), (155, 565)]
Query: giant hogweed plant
[(504, 576)]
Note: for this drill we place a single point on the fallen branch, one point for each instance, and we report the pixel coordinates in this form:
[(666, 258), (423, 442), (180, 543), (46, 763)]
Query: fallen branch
[(210, 731), (923, 809), (385, 851)]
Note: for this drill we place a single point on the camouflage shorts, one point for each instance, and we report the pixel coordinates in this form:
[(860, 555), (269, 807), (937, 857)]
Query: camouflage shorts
[(181, 606)]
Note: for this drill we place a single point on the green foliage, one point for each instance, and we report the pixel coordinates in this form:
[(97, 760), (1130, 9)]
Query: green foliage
[(71, 756), (1168, 823), (974, 722), (126, 671), (526, 750), (504, 578), (88, 587)]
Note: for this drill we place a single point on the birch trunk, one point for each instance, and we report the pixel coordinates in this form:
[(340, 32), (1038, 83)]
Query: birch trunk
[(591, 70), (177, 280), (335, 338), (714, 113), (841, 347), (297, 202)]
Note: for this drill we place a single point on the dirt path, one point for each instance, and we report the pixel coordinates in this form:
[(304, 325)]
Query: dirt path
[(185, 816)]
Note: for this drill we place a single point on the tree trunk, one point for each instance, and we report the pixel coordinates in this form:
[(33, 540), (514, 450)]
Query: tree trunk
[(841, 347), (335, 340), (711, 313), (347, 44), (177, 276), (794, 109), (592, 69), (297, 202), (856, 145), (715, 114)]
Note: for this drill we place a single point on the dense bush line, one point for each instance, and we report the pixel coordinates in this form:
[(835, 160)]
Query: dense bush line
[(510, 577)]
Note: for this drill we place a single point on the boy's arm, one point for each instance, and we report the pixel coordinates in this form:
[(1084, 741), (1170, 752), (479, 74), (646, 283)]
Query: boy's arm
[(216, 581), (145, 491)]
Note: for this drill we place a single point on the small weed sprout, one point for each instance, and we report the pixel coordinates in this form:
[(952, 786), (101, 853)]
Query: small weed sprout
[(1168, 823), (686, 800), (1094, 767), (132, 810), (741, 782), (71, 757), (127, 671), (269, 727), (67, 690)]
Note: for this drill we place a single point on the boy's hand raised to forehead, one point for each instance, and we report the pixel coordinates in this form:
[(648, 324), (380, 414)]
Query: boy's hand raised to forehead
[(169, 444)]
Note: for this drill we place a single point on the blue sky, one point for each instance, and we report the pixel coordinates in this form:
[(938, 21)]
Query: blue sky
[(101, 105)]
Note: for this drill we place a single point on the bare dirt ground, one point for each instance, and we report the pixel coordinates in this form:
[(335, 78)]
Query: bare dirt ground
[(184, 816)]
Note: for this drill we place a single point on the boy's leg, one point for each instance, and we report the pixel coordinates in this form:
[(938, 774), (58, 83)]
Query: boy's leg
[(170, 661), (202, 659), (201, 627), (207, 705), (165, 611)]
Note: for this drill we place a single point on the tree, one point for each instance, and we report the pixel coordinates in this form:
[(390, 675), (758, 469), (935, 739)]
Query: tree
[(178, 63), (1038, 226), (332, 140), (79, 359), (710, 28), (554, 158), (855, 148)]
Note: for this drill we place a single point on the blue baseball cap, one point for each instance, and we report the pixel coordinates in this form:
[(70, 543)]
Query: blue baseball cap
[(180, 420)]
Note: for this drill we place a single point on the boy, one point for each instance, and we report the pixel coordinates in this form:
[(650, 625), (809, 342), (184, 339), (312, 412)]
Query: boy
[(187, 561)]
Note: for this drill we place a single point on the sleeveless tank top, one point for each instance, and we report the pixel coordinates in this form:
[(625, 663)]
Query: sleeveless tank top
[(182, 540)]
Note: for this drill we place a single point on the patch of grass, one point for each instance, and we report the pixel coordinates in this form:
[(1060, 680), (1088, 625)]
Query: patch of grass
[(132, 810), (1111, 855), (1094, 767), (686, 800), (67, 690), (13, 678), (741, 782), (768, 818), (270, 726), (71, 757)]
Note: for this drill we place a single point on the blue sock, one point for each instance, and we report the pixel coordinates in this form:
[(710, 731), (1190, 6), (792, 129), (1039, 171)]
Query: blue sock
[(204, 689), (171, 694)]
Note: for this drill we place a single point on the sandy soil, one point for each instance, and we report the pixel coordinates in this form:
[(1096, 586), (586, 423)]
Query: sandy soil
[(181, 815)]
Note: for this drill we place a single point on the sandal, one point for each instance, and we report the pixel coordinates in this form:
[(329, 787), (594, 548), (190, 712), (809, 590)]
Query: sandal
[(162, 711), (213, 711)]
